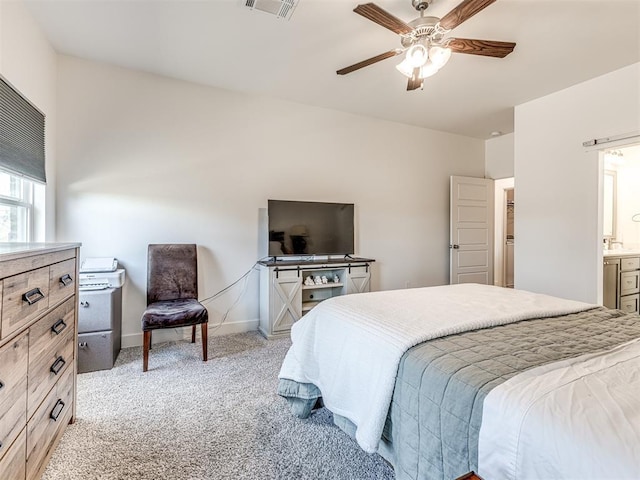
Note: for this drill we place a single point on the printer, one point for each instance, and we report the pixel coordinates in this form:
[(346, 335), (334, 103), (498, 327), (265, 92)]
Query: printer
[(100, 273)]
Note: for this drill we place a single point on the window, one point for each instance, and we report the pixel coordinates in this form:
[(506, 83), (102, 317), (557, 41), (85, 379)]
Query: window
[(16, 208), (22, 167)]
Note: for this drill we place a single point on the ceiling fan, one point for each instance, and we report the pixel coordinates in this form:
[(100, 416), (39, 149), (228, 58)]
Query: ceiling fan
[(423, 40)]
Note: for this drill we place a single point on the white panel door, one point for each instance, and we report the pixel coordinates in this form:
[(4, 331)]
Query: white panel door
[(471, 230)]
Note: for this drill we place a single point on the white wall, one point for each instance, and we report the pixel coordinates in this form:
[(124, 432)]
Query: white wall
[(557, 181), (499, 152), (29, 63), (145, 159)]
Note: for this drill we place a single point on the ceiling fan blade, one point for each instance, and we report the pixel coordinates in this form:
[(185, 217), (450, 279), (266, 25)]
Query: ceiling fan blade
[(383, 18), (414, 81), (369, 61), (464, 11), (488, 48)]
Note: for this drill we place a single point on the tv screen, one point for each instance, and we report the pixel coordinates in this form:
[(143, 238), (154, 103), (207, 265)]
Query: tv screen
[(310, 228)]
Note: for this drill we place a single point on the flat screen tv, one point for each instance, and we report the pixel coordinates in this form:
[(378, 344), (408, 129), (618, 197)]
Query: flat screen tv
[(310, 228)]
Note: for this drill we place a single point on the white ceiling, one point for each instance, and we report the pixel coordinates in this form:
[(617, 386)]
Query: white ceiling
[(225, 44)]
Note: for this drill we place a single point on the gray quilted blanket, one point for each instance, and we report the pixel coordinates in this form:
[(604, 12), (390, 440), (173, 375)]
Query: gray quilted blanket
[(436, 411)]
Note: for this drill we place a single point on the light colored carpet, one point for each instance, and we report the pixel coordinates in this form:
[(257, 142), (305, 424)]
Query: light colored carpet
[(186, 419)]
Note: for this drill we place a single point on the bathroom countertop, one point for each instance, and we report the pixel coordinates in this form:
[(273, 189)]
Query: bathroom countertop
[(621, 252)]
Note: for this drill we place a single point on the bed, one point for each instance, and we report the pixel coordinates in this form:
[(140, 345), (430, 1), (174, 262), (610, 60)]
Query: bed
[(445, 380)]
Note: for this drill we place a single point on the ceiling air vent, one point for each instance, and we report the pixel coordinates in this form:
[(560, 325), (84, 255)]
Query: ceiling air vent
[(279, 8)]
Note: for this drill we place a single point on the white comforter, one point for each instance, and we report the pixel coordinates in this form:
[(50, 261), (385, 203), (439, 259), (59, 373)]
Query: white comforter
[(574, 419), (350, 346)]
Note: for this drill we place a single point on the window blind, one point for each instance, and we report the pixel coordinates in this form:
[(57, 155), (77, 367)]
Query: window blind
[(21, 135)]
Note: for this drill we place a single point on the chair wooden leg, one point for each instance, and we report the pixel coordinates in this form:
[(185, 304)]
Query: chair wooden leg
[(193, 334), (150, 339), (145, 350), (205, 330)]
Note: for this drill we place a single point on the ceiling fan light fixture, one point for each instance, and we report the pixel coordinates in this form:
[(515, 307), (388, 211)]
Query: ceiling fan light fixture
[(428, 69), (439, 55), (417, 55), (405, 68)]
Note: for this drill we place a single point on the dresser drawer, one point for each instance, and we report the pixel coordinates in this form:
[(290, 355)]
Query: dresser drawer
[(12, 465), (632, 263), (48, 367), (62, 281), (47, 423), (13, 391), (630, 303), (629, 283), (24, 297), (48, 331)]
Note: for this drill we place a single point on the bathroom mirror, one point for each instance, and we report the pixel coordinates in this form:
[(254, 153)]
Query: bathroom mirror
[(609, 195)]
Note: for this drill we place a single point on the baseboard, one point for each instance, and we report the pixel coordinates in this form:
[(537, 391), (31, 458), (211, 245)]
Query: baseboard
[(174, 334), (228, 328)]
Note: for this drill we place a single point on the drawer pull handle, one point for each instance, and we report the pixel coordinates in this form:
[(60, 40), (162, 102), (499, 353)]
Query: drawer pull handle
[(58, 327), (66, 280), (84, 304), (54, 415), (33, 296), (83, 345), (57, 365)]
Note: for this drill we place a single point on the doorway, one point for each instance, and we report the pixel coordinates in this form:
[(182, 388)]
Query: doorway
[(619, 224), (504, 254), (620, 199)]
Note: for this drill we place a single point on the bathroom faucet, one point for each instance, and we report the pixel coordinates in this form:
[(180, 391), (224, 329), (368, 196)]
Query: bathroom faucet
[(610, 242)]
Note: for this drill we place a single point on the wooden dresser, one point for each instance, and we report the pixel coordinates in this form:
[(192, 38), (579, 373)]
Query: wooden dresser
[(38, 339)]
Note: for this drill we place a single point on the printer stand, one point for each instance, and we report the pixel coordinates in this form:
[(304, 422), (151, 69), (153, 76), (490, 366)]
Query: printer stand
[(99, 328)]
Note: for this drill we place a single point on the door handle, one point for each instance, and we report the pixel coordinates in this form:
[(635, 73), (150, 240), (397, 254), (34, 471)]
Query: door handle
[(455, 247)]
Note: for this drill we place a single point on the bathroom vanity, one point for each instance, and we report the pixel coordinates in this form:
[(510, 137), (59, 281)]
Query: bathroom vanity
[(621, 281)]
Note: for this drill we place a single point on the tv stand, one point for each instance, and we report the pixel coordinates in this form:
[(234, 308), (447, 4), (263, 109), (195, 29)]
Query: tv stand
[(286, 294)]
